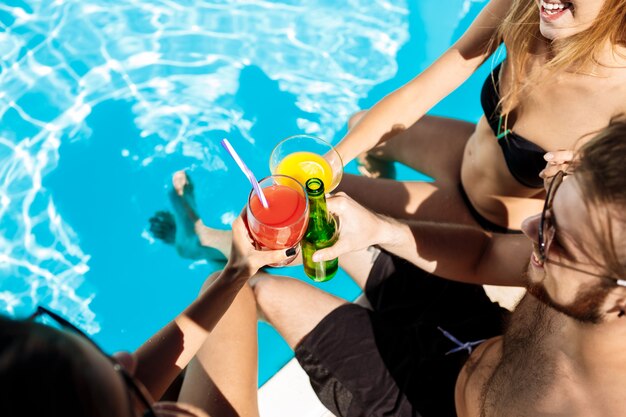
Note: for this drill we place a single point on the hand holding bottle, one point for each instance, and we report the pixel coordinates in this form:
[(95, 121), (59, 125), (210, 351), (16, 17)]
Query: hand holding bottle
[(359, 227), (321, 233)]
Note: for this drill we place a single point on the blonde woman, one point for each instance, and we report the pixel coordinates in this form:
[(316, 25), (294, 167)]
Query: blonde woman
[(563, 79)]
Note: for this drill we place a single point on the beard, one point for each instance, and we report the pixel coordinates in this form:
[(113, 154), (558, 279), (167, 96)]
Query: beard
[(586, 307)]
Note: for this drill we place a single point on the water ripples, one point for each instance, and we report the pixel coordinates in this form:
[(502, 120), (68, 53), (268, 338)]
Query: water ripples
[(179, 62)]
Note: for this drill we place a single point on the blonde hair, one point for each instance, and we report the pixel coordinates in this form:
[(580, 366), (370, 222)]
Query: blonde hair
[(520, 32)]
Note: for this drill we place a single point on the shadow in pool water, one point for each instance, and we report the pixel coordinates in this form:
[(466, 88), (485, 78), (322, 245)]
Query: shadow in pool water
[(273, 114), (274, 111), (107, 199)]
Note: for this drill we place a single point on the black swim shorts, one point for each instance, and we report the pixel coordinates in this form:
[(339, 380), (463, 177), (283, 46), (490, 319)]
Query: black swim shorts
[(392, 361)]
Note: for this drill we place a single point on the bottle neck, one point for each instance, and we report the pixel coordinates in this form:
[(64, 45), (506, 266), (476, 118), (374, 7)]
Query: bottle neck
[(317, 207), (317, 200)]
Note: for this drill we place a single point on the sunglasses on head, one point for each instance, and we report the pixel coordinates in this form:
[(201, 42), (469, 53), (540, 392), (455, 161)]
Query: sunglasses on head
[(134, 386)]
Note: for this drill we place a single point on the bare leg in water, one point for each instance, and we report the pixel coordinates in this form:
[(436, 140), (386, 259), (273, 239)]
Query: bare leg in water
[(183, 227)]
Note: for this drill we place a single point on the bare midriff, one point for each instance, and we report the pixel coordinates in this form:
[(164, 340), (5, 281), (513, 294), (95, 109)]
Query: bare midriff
[(489, 185)]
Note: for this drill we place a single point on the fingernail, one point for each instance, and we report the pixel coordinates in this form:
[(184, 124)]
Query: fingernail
[(315, 258), (290, 252), (549, 156)]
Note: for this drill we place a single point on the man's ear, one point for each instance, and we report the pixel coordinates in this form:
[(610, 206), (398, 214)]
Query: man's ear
[(127, 360)]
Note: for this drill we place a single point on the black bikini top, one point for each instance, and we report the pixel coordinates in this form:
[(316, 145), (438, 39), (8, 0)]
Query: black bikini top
[(523, 158)]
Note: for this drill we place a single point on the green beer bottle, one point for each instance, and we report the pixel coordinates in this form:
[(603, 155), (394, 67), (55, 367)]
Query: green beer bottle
[(320, 233)]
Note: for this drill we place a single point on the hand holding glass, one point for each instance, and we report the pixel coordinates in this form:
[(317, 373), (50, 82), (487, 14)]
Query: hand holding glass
[(283, 223)]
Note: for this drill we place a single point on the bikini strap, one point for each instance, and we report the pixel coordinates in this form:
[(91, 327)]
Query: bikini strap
[(502, 134)]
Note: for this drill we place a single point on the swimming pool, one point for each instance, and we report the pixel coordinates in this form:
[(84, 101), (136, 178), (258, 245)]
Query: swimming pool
[(102, 101)]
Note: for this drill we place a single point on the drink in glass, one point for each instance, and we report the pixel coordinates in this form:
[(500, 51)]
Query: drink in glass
[(304, 157), (283, 223)]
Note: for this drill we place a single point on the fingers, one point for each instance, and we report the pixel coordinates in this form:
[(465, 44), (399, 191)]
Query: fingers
[(240, 228), (245, 248), (329, 253), (237, 224), (338, 202), (559, 156), (560, 160), (323, 255), (241, 222), (275, 256), (550, 171), (557, 161)]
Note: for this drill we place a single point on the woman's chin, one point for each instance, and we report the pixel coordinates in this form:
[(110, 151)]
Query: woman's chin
[(552, 33)]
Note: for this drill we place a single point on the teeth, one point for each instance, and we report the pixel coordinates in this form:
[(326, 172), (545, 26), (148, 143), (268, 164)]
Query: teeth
[(554, 7)]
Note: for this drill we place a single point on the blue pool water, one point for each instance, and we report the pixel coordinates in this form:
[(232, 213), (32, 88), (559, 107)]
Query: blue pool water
[(101, 101)]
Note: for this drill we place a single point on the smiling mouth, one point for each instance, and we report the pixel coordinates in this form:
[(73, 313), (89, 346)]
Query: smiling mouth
[(552, 9)]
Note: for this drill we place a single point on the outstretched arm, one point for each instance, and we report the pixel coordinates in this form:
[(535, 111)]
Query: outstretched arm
[(164, 355), (403, 107), (457, 252)]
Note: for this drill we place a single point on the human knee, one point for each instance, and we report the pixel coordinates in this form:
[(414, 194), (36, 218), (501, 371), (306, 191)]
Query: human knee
[(266, 288), (354, 119)]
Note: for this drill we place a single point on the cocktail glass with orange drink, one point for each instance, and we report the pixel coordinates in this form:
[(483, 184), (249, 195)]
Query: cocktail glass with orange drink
[(304, 157), (282, 224)]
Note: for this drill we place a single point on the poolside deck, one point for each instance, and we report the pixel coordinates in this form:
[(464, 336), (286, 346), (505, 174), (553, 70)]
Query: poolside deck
[(288, 394)]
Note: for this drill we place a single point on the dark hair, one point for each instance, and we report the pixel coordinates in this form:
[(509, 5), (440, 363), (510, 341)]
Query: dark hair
[(43, 372), (602, 175)]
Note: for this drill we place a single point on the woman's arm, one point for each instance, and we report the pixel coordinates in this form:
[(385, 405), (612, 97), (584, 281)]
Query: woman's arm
[(403, 107), (164, 355)]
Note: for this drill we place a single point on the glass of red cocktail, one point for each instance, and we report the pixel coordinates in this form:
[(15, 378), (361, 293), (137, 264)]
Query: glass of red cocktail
[(282, 224)]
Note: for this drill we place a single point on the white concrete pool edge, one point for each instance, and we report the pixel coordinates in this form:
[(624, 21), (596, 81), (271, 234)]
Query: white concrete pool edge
[(288, 393)]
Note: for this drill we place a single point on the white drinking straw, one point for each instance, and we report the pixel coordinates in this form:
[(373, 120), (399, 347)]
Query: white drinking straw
[(246, 171)]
